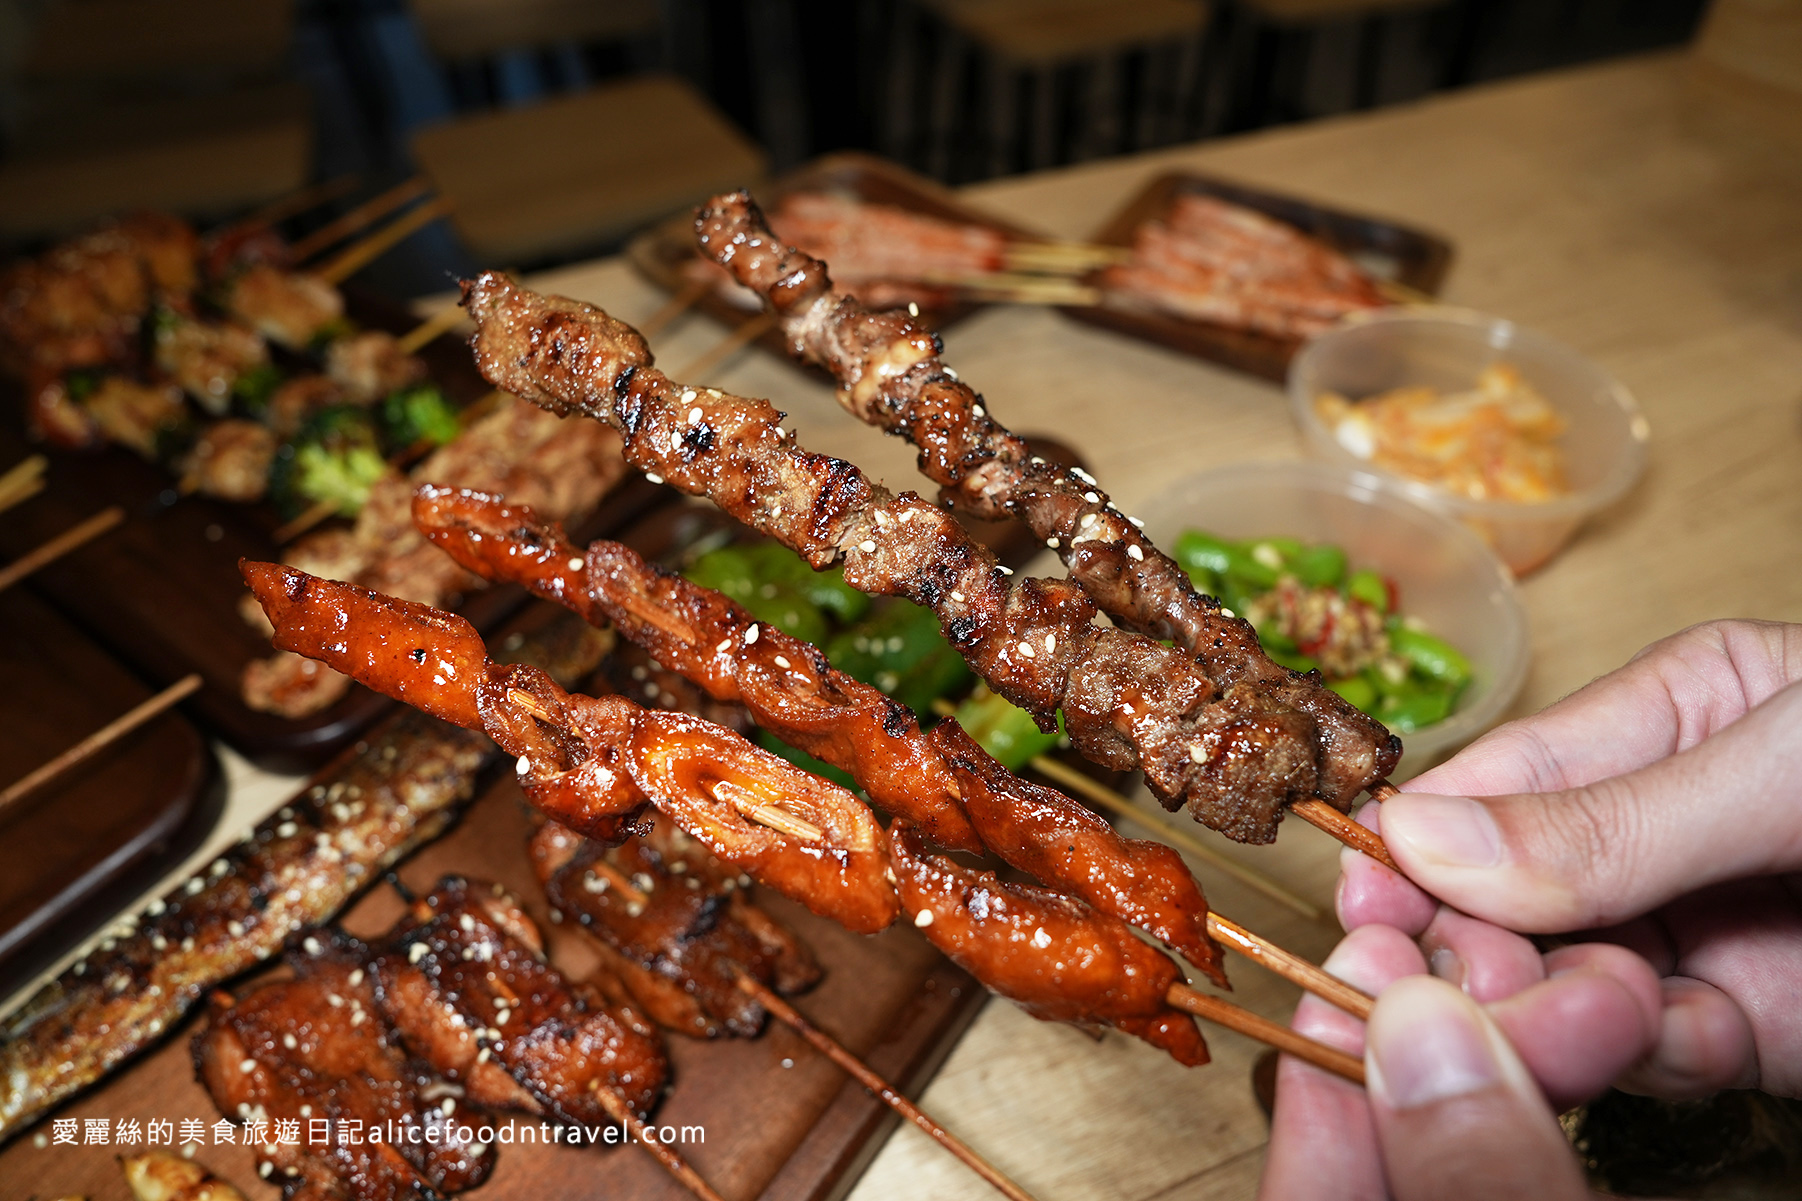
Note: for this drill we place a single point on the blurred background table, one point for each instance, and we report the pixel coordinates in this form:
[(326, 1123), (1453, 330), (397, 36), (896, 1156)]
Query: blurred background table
[(1594, 205)]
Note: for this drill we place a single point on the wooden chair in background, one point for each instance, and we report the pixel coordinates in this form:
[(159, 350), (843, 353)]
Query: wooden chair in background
[(1052, 76), (578, 171)]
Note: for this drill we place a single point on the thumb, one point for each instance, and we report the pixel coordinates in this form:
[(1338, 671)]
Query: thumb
[(1456, 1112), (1728, 808)]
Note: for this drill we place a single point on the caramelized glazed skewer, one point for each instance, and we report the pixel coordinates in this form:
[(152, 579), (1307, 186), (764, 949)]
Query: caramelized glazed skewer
[(885, 1092), (435, 661)]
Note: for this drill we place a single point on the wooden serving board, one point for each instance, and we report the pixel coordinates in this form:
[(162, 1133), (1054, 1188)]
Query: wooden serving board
[(661, 252), (780, 1121), (162, 590), (1396, 253), (88, 841)]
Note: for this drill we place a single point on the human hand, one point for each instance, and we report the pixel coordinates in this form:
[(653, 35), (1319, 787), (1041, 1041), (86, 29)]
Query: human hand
[(1659, 808), (1450, 1109)]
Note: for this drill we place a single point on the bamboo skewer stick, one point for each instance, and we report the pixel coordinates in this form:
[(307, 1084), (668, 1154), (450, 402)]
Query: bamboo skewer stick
[(1322, 816), (101, 738), (1018, 289), (822, 1042), (1063, 258), (441, 322), (296, 202), (358, 219), (1225, 1013), (22, 481), (1382, 790), (1290, 966), (726, 347), (685, 298), (349, 262), (1108, 799), (60, 545), (674, 1164)]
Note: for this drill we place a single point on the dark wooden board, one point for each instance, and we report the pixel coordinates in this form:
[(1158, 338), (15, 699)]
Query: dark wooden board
[(93, 838), (162, 590), (1413, 258), (771, 1131), (660, 252)]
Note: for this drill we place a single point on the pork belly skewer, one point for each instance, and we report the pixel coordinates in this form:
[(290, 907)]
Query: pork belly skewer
[(593, 763), (891, 376), (1234, 755), (794, 693)]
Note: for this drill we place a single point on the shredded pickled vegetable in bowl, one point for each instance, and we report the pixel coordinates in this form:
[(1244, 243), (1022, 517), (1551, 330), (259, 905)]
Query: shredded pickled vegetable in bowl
[(1497, 441)]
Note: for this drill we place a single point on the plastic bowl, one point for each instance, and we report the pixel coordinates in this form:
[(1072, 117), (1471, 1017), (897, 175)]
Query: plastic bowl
[(1603, 442), (1445, 575)]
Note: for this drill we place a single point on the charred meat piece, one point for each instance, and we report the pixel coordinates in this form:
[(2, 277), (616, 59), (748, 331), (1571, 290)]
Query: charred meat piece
[(316, 1046), (369, 365), (297, 869), (891, 376), (665, 904), (1059, 959), (1236, 756), (230, 460), (468, 987)]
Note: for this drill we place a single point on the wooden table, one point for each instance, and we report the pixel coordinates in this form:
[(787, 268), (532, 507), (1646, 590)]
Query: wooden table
[(1582, 204)]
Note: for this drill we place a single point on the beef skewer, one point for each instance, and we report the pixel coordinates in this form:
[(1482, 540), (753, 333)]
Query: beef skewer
[(891, 376), (700, 634), (1234, 755), (593, 763)]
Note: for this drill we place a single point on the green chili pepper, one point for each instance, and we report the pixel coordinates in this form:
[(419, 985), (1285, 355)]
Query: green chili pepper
[(1357, 691), (1405, 713), (1199, 551), (1320, 566), (1369, 587), (1293, 660), (1002, 730), (900, 650), (729, 570), (1431, 657)]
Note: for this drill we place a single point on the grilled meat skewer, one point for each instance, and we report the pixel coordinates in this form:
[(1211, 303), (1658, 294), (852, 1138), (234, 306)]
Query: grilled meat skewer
[(891, 376), (593, 763), (1234, 755), (942, 781), (692, 771), (316, 1047)]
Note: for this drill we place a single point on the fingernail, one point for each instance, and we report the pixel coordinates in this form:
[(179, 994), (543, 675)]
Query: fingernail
[(1445, 964), (1453, 831), (1426, 1043)]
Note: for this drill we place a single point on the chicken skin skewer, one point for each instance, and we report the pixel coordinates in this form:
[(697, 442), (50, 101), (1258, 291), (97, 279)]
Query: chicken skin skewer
[(942, 781)]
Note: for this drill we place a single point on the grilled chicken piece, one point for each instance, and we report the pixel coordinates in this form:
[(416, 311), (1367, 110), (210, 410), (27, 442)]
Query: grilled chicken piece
[(160, 1176), (297, 399), (206, 358), (1059, 959), (317, 1046), (287, 307), (467, 986), (369, 365), (230, 460), (138, 416)]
